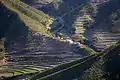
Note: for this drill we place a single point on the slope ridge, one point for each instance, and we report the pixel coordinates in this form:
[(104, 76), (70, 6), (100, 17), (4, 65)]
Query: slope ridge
[(36, 20)]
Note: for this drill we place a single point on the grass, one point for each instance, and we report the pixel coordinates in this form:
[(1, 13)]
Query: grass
[(17, 71), (32, 18), (59, 67), (36, 20), (2, 55), (81, 65), (58, 74), (25, 71), (72, 70), (116, 27), (89, 50)]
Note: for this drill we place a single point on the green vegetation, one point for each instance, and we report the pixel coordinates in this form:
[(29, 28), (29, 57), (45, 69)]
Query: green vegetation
[(77, 68), (2, 49), (18, 19), (114, 20), (2, 55), (95, 72), (34, 19), (60, 68), (70, 72), (89, 50), (20, 70), (59, 35), (106, 68), (105, 10), (89, 8)]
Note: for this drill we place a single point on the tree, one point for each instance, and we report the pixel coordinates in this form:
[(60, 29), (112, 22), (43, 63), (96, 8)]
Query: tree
[(2, 49), (96, 72)]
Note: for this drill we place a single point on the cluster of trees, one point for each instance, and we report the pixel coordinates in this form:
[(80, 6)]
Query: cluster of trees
[(115, 17), (95, 72), (106, 68), (89, 8), (56, 3), (2, 49), (63, 71), (105, 10)]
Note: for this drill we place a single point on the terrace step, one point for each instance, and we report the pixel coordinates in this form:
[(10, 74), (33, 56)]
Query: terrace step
[(103, 38)]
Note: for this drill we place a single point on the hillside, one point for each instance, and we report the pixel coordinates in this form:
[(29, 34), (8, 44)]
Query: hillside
[(34, 19), (9, 21), (103, 32), (106, 68), (29, 45), (89, 68), (85, 20), (59, 39), (63, 9)]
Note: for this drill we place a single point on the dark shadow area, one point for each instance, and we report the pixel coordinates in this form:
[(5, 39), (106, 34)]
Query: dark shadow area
[(105, 10), (58, 8), (112, 64), (29, 1), (65, 8), (11, 27)]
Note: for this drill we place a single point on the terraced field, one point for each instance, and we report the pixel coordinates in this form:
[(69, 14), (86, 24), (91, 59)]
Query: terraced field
[(54, 73), (34, 19), (43, 53), (40, 52), (79, 25), (72, 70), (102, 37)]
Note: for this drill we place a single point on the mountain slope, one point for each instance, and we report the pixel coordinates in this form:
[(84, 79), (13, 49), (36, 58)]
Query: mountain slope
[(72, 70), (28, 50), (106, 68), (99, 31), (31, 49), (105, 30), (34, 19), (10, 24)]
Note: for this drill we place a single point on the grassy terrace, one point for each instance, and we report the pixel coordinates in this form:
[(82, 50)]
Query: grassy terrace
[(59, 68), (17, 71), (73, 69), (36, 20)]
